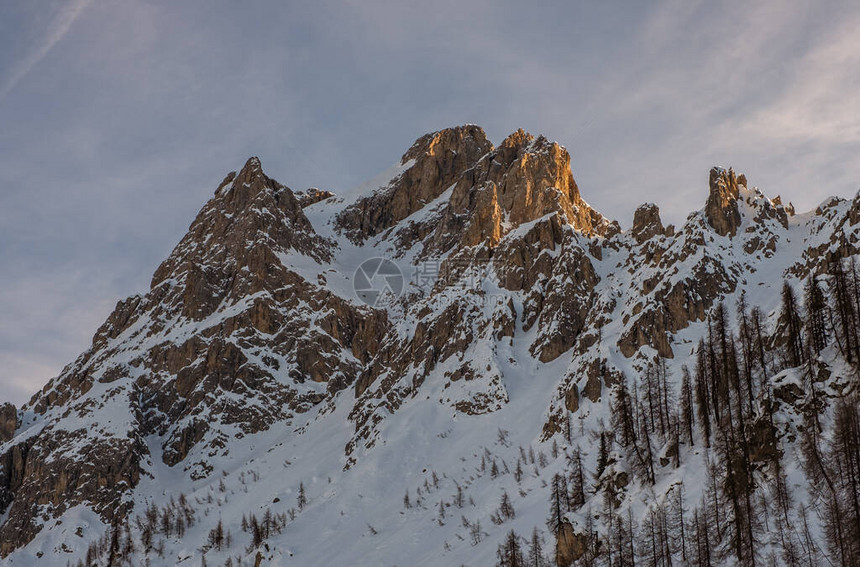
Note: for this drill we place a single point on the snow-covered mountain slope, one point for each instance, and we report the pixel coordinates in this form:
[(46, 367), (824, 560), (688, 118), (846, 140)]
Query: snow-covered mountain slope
[(253, 409)]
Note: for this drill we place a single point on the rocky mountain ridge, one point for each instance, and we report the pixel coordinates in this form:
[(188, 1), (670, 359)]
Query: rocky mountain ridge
[(522, 309)]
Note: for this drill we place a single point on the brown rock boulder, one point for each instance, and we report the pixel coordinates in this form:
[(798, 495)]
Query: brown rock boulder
[(650, 329), (571, 399), (312, 196), (570, 546), (593, 385), (763, 442), (8, 422), (854, 213)]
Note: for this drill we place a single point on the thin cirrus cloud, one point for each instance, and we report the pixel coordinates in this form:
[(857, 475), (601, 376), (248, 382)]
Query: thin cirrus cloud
[(57, 29), (118, 119), (821, 103)]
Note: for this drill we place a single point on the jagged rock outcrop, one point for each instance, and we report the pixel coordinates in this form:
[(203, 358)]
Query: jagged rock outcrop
[(670, 303), (249, 222), (11, 473), (8, 422), (854, 213), (522, 180), (646, 223), (44, 478), (446, 327), (681, 276), (438, 160), (559, 302), (721, 209)]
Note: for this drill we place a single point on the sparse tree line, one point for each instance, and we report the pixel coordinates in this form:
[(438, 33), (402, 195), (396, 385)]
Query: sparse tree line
[(145, 534), (727, 416), (515, 550), (142, 540)]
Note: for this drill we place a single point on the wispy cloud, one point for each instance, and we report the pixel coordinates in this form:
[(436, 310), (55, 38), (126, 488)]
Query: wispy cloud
[(102, 169), (57, 30), (820, 102)]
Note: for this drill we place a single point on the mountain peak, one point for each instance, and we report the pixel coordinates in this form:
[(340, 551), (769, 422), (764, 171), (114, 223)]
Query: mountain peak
[(253, 163), (467, 138), (521, 181), (518, 139), (721, 208), (250, 212), (437, 160), (646, 222), (237, 191), (224, 391)]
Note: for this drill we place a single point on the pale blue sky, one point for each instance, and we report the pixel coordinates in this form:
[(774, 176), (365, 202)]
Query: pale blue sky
[(119, 117)]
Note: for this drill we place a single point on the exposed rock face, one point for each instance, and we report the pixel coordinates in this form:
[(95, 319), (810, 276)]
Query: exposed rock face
[(560, 304), (439, 160), (669, 303), (8, 422), (854, 214), (646, 223), (445, 328), (42, 482), (235, 222), (721, 209), (521, 181), (682, 275), (525, 182), (312, 196)]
